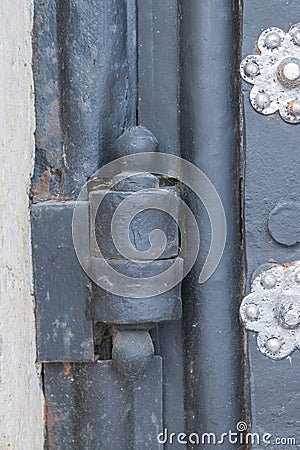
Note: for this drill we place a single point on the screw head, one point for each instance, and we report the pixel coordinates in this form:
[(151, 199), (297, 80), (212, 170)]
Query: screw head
[(273, 345), (262, 100), (272, 40), (251, 69), (296, 37), (291, 71), (297, 276), (268, 280)]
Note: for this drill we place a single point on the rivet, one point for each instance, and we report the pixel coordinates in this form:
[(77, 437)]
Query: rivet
[(297, 276), (291, 71), (295, 107), (273, 345), (296, 37), (272, 40), (251, 69), (262, 100), (252, 312), (268, 280)]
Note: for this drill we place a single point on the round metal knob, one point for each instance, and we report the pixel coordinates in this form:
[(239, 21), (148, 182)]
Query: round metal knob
[(273, 345), (288, 72), (273, 40), (268, 280)]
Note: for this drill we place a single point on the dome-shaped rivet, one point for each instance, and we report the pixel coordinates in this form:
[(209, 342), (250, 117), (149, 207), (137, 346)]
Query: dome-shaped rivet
[(262, 100), (273, 345), (272, 40), (268, 280), (251, 69), (252, 312)]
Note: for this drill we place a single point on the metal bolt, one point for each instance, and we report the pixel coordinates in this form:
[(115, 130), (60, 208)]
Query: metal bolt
[(272, 40), (295, 107), (273, 345), (268, 280), (262, 99), (297, 276), (296, 37), (251, 69), (252, 312), (291, 71)]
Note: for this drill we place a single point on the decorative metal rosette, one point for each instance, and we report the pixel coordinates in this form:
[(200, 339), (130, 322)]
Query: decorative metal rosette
[(272, 310), (275, 73)]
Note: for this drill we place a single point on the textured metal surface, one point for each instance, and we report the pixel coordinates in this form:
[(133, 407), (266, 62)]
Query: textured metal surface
[(210, 139), (271, 177), (158, 25), (85, 89), (287, 213), (275, 73), (62, 290), (88, 406), (272, 310)]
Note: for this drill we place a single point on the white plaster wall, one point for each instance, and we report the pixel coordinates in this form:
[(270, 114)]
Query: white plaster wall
[(21, 401)]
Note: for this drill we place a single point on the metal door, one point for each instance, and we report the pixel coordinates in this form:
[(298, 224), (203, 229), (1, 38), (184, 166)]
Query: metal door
[(114, 78)]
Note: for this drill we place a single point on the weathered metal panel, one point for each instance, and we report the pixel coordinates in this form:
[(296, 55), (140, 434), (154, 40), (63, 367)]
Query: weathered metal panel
[(210, 139), (271, 177), (84, 70), (89, 406), (62, 290)]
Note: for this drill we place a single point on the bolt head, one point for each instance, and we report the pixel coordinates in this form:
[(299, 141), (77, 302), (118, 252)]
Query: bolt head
[(262, 100), (268, 280), (251, 69), (272, 40), (297, 276), (291, 71), (296, 37), (252, 312), (273, 345)]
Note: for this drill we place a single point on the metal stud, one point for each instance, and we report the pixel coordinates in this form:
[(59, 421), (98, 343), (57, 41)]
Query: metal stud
[(273, 40), (273, 345), (251, 69), (268, 280), (291, 71), (262, 100), (252, 312)]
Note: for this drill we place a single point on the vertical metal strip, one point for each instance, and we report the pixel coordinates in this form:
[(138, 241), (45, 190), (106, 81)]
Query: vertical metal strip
[(210, 139), (158, 110)]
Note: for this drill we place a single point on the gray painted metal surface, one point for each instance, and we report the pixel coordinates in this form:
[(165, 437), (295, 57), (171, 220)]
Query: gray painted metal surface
[(271, 177), (86, 95), (210, 139)]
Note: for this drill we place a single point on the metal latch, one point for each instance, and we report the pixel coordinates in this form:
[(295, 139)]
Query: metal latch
[(272, 310), (275, 73)]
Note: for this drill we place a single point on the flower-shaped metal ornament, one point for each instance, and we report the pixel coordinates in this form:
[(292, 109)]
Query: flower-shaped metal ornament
[(272, 310), (275, 73)]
